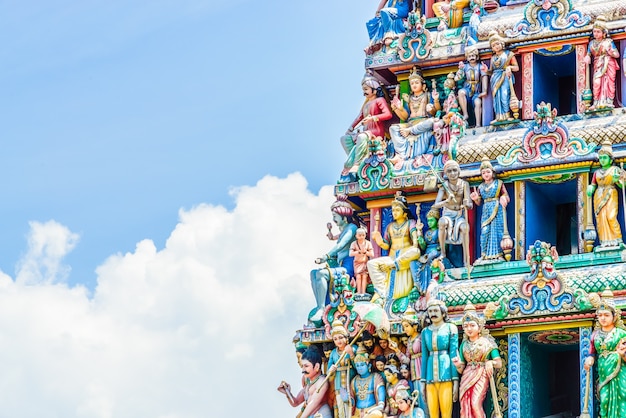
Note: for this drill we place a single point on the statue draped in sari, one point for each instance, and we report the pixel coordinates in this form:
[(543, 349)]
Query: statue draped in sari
[(474, 381), (611, 372)]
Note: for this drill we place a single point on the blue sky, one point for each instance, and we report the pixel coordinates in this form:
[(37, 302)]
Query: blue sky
[(162, 198)]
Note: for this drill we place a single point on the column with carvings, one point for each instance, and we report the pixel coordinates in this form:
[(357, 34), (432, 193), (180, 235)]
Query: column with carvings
[(585, 346), (581, 77), (514, 376), (527, 85)]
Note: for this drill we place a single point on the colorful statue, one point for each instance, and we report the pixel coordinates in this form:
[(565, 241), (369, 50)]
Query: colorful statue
[(367, 388), (605, 199), (502, 66), (394, 383), (450, 12), (406, 405), (479, 356), (416, 109), (412, 327), (431, 249), (494, 197), (337, 259), (608, 345), (391, 275), (362, 251), (388, 20), (340, 365), (315, 391), (605, 64), (369, 124), (440, 379), (473, 75), (454, 198)]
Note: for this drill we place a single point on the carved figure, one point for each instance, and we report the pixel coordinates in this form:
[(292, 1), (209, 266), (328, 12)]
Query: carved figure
[(314, 393), (391, 275), (337, 258), (605, 64), (406, 405), (413, 138), (412, 327), (501, 68), (440, 379), (394, 383), (340, 365), (388, 20), (430, 249), (478, 357), (367, 388), (605, 199), (454, 199), (492, 194), (369, 124), (450, 12), (473, 75), (362, 251), (608, 353)]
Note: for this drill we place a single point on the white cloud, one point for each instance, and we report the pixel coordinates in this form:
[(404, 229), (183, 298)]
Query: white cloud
[(199, 328)]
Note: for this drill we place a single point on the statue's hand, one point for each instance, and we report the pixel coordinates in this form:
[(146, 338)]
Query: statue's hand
[(405, 132), (589, 363), (489, 368), (320, 260), (284, 387), (590, 190)]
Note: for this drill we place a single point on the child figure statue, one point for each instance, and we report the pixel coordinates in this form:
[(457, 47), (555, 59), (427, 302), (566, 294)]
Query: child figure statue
[(362, 251)]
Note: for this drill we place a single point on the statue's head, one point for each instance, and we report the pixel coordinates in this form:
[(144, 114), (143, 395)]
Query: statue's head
[(311, 362), (471, 53), (342, 210), (400, 205), (605, 153)]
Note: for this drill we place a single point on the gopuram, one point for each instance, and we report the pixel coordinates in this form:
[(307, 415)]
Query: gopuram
[(476, 264)]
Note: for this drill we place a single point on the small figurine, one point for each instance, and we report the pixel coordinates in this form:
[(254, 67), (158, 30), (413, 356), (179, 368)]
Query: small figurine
[(605, 199), (608, 344), (315, 391), (440, 379), (406, 405), (388, 20), (368, 124), (501, 68), (338, 258), (400, 240), (367, 388), (450, 12), (362, 251), (473, 74), (605, 64), (479, 356), (453, 197), (394, 383), (494, 197), (431, 249), (340, 365)]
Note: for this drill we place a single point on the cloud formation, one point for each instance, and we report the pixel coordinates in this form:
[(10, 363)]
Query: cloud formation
[(199, 328)]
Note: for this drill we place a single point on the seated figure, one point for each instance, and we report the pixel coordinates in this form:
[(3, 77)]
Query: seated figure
[(388, 20)]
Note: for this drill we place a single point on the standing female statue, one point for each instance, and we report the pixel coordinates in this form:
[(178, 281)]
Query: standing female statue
[(478, 357), (608, 345), (605, 199), (501, 68), (605, 65)]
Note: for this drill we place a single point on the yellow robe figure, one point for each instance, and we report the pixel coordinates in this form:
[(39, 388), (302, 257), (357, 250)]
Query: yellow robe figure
[(605, 203)]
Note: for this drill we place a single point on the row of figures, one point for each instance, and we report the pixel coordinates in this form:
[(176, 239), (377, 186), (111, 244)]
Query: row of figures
[(417, 256), (430, 123), (438, 371)]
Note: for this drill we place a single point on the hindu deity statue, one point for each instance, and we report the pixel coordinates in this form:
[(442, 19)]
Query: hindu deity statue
[(406, 405), (368, 125), (314, 394), (501, 68), (362, 251), (492, 194), (605, 197), (388, 21), (478, 358), (440, 379), (394, 383), (367, 388), (430, 248), (450, 12), (391, 275), (473, 75), (608, 354), (413, 139), (454, 200), (605, 64), (340, 364), (337, 260)]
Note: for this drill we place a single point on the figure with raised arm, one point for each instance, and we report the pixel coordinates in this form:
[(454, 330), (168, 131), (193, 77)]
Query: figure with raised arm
[(340, 367), (605, 64), (454, 200), (391, 275), (388, 20), (603, 188), (473, 75), (608, 353), (479, 356), (492, 194), (440, 379), (362, 251), (314, 394), (501, 68), (368, 124), (367, 389), (337, 259)]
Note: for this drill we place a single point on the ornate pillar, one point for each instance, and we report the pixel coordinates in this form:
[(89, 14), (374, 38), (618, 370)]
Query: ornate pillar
[(527, 85), (520, 220), (581, 219), (514, 376), (585, 345), (581, 77)]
